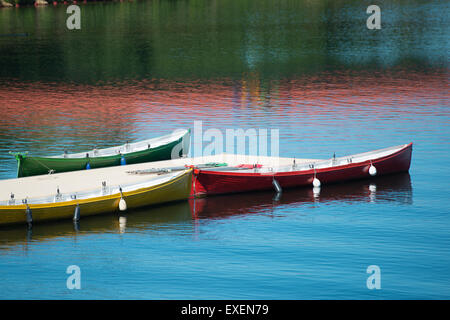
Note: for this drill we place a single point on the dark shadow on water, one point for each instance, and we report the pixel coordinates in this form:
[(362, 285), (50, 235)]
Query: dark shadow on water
[(395, 188), (169, 215), (179, 215)]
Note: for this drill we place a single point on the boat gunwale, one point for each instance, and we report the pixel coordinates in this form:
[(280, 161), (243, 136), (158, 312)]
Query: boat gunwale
[(118, 155), (403, 148), (82, 155)]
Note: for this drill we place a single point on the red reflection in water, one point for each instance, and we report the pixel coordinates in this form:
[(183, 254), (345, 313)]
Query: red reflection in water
[(128, 107)]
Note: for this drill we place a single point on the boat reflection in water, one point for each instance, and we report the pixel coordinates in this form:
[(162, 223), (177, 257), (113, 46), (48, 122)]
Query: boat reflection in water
[(183, 217), (386, 188), (175, 217)]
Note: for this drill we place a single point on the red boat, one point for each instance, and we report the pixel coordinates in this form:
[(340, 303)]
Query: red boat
[(254, 177)]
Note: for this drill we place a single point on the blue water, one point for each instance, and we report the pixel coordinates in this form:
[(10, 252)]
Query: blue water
[(311, 71)]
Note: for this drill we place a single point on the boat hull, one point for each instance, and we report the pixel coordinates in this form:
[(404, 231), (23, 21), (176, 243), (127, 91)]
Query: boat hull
[(32, 166), (176, 189), (215, 182)]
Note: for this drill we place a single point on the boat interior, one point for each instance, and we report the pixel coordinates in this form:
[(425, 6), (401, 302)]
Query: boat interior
[(90, 183), (279, 164), (103, 189)]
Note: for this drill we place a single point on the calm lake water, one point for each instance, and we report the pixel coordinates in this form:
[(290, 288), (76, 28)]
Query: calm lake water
[(311, 69)]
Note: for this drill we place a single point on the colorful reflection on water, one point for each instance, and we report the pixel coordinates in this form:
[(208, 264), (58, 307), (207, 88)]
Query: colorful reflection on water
[(344, 110), (307, 69)]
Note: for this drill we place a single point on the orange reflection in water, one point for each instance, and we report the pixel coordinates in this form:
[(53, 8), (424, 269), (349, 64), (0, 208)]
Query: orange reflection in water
[(128, 106)]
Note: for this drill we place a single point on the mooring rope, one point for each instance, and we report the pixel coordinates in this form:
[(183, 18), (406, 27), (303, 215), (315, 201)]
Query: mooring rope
[(50, 170)]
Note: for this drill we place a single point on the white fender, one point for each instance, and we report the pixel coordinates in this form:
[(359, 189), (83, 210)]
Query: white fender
[(122, 204), (316, 183), (372, 170)]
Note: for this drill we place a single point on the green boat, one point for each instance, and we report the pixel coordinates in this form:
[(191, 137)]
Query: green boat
[(166, 147)]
